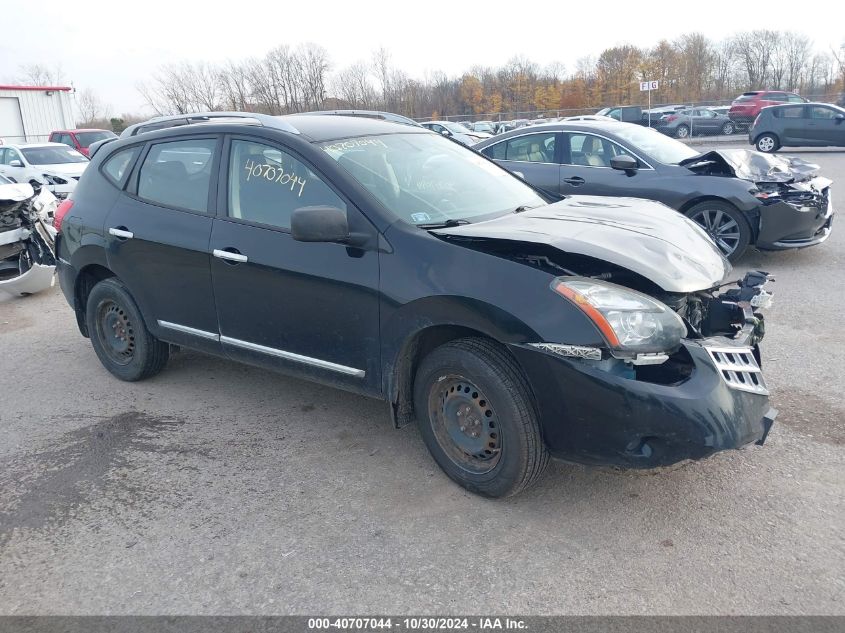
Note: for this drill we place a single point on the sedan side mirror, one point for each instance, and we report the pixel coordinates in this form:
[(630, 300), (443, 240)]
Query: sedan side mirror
[(15, 163), (319, 224), (445, 132), (625, 163), (839, 118)]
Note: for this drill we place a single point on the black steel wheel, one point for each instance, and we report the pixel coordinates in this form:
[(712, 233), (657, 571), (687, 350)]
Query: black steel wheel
[(477, 416), (725, 225), (465, 424), (119, 335)]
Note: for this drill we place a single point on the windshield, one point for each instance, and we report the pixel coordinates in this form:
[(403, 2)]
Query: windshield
[(52, 155), (455, 128), (659, 146), (427, 179), (86, 138)]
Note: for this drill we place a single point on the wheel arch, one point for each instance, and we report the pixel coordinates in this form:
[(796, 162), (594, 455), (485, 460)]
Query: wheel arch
[(88, 277), (408, 340)]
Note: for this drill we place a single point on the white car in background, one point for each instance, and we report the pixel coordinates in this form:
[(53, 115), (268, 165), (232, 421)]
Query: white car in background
[(456, 131), (52, 165)]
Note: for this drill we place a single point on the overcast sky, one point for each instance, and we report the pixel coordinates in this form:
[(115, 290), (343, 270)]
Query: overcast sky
[(100, 45)]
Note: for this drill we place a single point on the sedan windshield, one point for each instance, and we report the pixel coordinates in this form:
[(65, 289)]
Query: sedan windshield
[(659, 146), (427, 179), (52, 155)]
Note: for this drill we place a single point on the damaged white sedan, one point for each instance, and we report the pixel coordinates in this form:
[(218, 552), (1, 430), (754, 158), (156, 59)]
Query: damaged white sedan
[(27, 237)]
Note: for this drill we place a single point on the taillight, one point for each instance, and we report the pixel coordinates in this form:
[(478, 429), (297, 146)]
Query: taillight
[(671, 118), (756, 121), (61, 212)]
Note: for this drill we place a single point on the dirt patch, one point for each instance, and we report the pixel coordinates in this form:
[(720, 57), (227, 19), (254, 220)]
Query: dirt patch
[(811, 415), (47, 487)]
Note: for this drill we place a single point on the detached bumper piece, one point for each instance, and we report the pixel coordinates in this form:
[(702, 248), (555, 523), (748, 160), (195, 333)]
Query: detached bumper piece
[(27, 240)]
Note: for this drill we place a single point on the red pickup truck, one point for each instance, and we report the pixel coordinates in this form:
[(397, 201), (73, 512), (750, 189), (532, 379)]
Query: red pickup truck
[(80, 139)]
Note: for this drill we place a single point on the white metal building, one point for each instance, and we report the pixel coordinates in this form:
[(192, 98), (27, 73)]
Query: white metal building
[(29, 113)]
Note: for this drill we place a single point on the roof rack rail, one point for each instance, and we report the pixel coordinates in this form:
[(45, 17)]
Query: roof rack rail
[(192, 118)]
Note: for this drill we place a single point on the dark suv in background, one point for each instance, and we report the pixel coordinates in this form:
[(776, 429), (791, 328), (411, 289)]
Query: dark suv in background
[(747, 106), (807, 125)]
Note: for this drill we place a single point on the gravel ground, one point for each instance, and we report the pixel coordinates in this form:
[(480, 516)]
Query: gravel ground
[(216, 488)]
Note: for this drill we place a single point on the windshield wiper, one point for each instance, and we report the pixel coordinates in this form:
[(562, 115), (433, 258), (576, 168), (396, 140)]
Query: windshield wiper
[(443, 225), (522, 208)]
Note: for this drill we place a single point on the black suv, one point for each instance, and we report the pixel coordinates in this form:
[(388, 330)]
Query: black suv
[(387, 260)]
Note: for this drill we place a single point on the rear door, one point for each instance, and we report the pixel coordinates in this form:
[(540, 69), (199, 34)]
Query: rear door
[(158, 238), (307, 308), (533, 155)]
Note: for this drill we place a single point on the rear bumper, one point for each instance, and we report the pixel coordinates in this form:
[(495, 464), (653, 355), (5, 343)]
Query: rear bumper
[(592, 416)]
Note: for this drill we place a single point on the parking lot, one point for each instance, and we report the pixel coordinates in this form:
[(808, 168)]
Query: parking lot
[(215, 488)]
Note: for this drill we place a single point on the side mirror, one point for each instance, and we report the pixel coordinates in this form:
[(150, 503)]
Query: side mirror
[(15, 163), (445, 132), (319, 224), (625, 163), (839, 118), (519, 174)]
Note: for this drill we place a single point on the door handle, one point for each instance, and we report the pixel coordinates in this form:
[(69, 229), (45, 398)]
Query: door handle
[(121, 233), (231, 255), (575, 181)]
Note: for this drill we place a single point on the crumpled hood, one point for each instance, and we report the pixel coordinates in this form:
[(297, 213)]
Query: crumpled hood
[(755, 166), (643, 236)]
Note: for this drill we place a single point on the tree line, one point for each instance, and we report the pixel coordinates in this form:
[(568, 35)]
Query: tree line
[(691, 69)]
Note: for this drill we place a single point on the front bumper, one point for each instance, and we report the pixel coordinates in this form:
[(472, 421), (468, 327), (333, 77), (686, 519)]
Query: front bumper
[(591, 416), (784, 225)]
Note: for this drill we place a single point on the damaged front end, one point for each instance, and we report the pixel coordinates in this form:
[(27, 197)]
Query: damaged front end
[(795, 204), (27, 239)]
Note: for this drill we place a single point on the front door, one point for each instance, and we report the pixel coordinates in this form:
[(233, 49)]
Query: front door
[(157, 236), (15, 172), (823, 126), (305, 308), (586, 167)]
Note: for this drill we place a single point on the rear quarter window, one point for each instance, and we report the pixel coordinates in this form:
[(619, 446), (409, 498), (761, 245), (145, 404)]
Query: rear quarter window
[(117, 166), (793, 112)]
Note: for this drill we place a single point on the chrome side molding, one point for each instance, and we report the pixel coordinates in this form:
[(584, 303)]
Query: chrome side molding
[(189, 330), (298, 358)]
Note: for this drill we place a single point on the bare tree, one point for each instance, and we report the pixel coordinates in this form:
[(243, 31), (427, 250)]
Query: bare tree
[(352, 84), (40, 75), (90, 108), (314, 60), (754, 50), (235, 86)]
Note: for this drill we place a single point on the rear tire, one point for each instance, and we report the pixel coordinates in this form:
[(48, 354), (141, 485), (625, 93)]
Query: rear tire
[(728, 128), (725, 225), (477, 416), (119, 335), (682, 131), (767, 143)]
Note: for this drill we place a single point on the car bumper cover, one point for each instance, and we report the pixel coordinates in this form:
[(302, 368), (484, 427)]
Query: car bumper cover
[(591, 416)]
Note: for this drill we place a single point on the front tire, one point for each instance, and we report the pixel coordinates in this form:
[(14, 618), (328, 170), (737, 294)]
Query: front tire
[(119, 335), (725, 225), (477, 416)]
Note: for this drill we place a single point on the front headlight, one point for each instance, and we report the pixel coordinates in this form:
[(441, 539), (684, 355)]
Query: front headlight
[(54, 180), (630, 321)]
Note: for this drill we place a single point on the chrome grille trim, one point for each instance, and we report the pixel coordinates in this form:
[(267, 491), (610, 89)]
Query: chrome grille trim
[(739, 369)]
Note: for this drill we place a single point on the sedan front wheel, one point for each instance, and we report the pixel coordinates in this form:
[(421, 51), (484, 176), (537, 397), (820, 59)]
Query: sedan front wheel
[(725, 225)]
